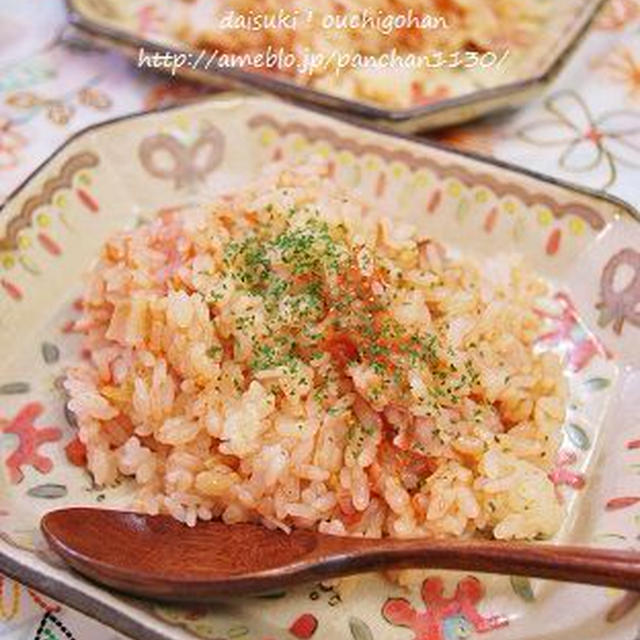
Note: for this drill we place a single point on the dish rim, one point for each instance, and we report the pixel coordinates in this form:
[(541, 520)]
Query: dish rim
[(305, 96), (53, 584), (74, 597), (598, 194)]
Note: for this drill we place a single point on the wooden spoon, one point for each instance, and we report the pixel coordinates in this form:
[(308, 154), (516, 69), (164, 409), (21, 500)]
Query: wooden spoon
[(158, 557)]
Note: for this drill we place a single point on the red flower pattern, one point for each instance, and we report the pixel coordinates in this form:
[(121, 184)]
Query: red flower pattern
[(431, 624), (582, 346), (29, 439), (562, 475)]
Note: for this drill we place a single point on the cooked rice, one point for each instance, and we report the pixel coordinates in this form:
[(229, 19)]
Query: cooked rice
[(287, 356), (478, 26)]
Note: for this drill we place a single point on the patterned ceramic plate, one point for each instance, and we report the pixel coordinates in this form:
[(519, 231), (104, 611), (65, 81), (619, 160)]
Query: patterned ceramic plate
[(460, 94), (114, 174)]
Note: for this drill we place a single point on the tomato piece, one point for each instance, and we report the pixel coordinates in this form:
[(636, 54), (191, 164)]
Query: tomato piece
[(348, 513), (227, 348), (342, 349), (409, 461), (76, 453)]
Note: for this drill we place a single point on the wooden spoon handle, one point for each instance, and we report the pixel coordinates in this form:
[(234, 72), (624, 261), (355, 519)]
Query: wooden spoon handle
[(586, 565), (159, 557)]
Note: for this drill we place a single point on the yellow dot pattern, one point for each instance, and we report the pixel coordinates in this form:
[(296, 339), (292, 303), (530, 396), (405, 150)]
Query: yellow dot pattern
[(577, 226), (454, 189), (419, 179), (545, 217)]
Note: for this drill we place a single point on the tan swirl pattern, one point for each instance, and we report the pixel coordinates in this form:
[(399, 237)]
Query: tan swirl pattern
[(620, 306), (190, 163), (62, 180)]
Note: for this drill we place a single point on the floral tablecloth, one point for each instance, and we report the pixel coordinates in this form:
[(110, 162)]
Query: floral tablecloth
[(586, 129)]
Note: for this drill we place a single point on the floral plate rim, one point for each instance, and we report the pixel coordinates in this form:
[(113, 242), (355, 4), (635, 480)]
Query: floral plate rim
[(304, 96), (598, 194)]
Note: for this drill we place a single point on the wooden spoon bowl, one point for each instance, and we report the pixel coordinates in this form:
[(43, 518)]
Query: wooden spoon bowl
[(158, 557)]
